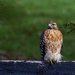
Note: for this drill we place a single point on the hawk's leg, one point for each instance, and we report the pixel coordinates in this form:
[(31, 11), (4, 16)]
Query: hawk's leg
[(51, 62)]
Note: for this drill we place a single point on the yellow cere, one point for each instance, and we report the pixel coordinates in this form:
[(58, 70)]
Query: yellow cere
[(49, 24)]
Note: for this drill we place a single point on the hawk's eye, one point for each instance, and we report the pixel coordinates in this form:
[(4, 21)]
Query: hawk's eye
[(53, 24)]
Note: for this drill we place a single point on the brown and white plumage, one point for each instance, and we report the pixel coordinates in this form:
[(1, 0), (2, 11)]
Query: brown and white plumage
[(51, 43)]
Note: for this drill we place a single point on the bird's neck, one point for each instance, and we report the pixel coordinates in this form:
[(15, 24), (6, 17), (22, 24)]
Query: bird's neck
[(52, 28)]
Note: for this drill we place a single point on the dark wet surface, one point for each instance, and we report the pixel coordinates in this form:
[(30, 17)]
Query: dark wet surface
[(26, 68)]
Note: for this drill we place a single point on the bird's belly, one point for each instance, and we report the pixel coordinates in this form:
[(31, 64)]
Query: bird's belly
[(52, 56)]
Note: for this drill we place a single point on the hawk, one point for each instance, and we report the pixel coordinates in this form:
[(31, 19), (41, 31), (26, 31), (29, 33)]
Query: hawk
[(51, 43)]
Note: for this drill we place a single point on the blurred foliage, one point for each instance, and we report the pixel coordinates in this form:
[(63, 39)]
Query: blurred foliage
[(70, 26), (23, 21)]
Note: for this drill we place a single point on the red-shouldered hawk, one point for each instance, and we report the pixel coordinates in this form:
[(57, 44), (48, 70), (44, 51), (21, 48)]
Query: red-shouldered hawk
[(51, 43)]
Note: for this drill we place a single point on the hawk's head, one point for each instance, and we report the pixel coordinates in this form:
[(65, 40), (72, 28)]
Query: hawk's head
[(52, 25)]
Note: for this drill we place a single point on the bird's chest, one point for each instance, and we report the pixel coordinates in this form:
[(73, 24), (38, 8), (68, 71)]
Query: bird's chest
[(52, 41)]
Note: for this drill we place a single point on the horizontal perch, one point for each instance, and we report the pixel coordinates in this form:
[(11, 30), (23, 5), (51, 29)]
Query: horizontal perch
[(21, 67)]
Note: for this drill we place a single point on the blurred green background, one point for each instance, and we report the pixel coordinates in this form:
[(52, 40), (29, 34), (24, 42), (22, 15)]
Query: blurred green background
[(23, 21)]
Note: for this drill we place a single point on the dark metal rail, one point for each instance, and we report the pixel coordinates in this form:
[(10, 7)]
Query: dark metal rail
[(21, 67)]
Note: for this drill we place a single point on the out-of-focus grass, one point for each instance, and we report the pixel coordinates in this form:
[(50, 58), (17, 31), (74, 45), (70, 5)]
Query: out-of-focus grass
[(22, 21)]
